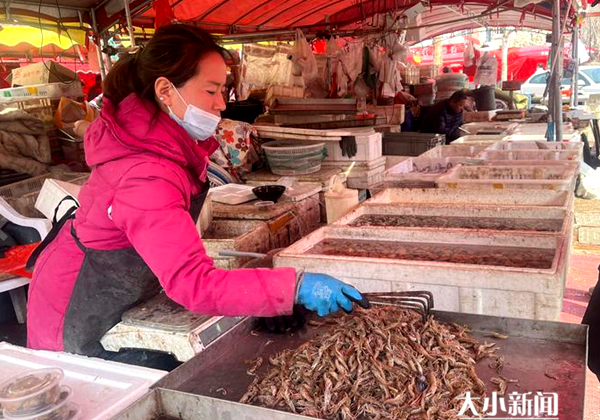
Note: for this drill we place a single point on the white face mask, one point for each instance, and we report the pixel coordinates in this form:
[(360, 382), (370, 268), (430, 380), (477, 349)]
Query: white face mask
[(199, 124)]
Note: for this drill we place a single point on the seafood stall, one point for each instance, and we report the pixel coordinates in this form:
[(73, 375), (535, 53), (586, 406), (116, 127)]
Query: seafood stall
[(532, 356)]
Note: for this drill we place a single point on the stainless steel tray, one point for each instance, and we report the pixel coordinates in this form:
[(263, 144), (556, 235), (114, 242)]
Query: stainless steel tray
[(164, 404), (534, 351)]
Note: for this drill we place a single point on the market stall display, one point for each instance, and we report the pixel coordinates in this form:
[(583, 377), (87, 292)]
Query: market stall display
[(219, 377)]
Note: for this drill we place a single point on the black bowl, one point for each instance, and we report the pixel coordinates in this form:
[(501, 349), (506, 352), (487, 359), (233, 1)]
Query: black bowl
[(269, 192)]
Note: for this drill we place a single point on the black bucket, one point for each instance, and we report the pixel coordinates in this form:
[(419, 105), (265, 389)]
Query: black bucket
[(485, 98)]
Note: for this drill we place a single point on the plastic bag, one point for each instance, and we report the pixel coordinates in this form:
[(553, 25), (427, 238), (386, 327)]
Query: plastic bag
[(487, 71), (70, 111), (469, 55)]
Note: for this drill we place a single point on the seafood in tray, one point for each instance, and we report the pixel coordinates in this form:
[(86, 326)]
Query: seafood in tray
[(489, 223), (459, 254), (383, 363)]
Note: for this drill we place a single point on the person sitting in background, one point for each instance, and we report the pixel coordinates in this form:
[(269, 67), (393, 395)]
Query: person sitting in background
[(446, 116)]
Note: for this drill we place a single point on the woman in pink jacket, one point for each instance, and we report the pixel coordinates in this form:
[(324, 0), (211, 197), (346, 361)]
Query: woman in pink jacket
[(135, 232)]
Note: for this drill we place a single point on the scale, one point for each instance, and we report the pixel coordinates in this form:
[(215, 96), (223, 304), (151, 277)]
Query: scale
[(161, 324)]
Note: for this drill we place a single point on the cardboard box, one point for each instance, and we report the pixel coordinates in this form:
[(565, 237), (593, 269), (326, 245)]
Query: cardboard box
[(42, 73), (52, 91)]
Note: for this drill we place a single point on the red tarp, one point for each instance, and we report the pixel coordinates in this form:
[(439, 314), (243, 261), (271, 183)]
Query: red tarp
[(246, 16)]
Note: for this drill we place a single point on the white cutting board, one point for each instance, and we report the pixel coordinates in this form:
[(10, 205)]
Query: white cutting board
[(232, 194), (100, 388)]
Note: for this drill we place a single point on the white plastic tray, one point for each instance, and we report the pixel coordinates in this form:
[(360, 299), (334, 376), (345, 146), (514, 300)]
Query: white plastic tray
[(536, 145), (558, 178), (475, 140), (232, 194), (454, 150), (544, 155), (101, 389), (419, 171)]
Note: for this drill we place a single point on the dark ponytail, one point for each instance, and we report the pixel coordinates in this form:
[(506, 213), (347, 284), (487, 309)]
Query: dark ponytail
[(173, 52)]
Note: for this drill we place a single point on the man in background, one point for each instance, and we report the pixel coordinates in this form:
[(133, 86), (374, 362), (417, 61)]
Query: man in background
[(446, 116)]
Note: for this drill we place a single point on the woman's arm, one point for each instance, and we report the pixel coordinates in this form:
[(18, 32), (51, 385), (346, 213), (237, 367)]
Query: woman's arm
[(151, 210)]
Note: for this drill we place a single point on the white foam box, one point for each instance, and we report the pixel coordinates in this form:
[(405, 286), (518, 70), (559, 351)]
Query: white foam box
[(529, 293), (525, 219), (474, 140), (232, 194), (235, 235), (540, 128), (501, 198), (419, 172), (369, 148), (588, 235), (531, 155), (569, 138), (52, 91), (454, 150), (557, 177), (575, 147), (504, 128), (361, 166), (361, 179), (100, 388)]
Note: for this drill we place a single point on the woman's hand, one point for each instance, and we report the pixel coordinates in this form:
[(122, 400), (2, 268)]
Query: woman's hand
[(325, 295)]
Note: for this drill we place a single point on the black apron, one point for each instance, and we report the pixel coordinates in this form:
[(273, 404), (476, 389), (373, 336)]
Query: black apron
[(109, 283), (592, 319)]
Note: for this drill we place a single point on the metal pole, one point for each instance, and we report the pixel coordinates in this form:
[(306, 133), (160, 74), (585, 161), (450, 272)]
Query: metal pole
[(504, 72), (575, 51), (98, 44), (129, 22), (557, 57)]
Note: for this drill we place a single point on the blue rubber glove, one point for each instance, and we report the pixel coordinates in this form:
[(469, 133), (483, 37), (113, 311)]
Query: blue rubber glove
[(325, 294)]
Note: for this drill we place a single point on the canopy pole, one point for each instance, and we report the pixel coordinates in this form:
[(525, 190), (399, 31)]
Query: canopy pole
[(98, 44), (575, 47), (557, 65), (129, 22)]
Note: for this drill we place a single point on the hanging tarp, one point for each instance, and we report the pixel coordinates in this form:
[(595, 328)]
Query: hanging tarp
[(246, 16), (13, 35)]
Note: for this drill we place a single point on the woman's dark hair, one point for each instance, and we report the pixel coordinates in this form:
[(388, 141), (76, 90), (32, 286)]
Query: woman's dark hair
[(459, 95), (173, 52)]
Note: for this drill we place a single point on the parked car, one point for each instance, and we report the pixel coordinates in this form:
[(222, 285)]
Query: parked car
[(588, 82)]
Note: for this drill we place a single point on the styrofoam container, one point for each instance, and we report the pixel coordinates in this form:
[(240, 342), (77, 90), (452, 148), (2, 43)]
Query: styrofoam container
[(514, 219), (364, 179), (504, 128), (531, 293), (474, 140), (501, 198), (571, 164), (357, 165), (454, 150), (531, 155), (368, 148), (573, 137), (101, 389), (537, 145), (235, 235), (419, 172), (558, 178), (540, 128), (232, 194)]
